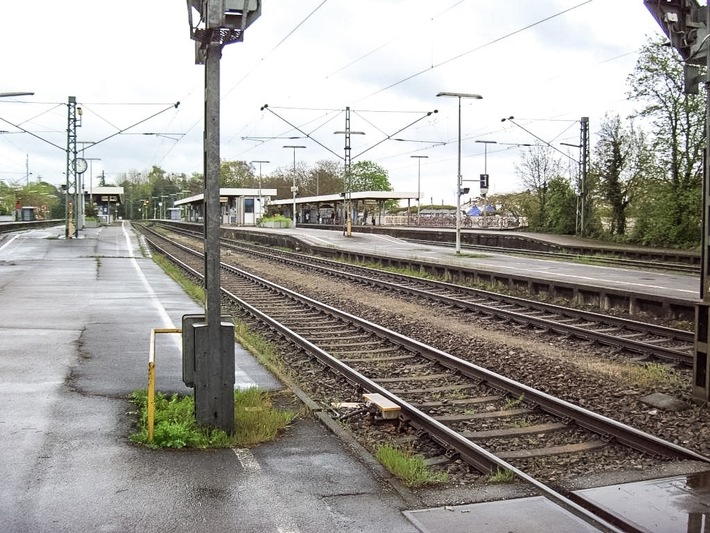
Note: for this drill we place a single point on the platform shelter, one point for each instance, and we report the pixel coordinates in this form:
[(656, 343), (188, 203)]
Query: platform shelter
[(238, 206), (329, 208), (107, 201)]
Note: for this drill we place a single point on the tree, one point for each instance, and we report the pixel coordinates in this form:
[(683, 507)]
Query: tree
[(611, 160), (560, 207), (678, 121), (326, 177), (368, 176), (237, 174), (537, 168)]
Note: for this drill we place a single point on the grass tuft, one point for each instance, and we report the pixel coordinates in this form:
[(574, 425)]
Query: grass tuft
[(502, 475), (256, 420), (409, 468)]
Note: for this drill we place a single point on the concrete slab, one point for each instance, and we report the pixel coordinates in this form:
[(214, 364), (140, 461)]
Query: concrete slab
[(510, 516), (675, 504)]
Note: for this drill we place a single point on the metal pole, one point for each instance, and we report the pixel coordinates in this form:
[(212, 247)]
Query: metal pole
[(458, 188), (459, 177), (261, 200), (293, 187), (584, 150), (419, 183)]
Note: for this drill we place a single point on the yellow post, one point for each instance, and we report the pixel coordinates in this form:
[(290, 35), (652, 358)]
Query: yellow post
[(151, 377), (151, 399)]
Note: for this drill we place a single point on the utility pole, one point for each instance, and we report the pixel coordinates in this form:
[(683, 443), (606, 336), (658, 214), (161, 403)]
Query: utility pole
[(686, 24), (584, 169), (71, 174), (219, 23), (348, 193)]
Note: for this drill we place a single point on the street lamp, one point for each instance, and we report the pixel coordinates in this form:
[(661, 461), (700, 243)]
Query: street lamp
[(459, 177), (261, 204), (294, 188), (419, 182)]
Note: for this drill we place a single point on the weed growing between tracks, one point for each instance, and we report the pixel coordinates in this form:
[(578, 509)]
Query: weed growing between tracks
[(502, 475), (409, 468), (256, 420)]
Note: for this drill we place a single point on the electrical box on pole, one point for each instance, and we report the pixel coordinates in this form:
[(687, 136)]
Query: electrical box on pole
[(217, 23), (221, 20)]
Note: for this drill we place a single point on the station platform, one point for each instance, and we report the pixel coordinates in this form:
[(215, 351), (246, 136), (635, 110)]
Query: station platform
[(77, 316), (669, 285)]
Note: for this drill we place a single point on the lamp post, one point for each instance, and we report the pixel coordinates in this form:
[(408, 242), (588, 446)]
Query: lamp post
[(419, 183), (459, 177), (294, 188), (261, 202)]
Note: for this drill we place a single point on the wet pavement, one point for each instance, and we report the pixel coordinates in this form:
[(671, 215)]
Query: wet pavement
[(75, 332), (678, 504)]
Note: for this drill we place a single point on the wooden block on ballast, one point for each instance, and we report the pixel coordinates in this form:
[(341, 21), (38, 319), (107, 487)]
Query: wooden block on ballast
[(388, 409)]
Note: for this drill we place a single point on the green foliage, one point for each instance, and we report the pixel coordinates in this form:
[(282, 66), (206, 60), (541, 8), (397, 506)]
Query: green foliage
[(175, 425), (409, 468), (559, 215), (237, 174), (514, 403), (256, 420), (502, 475), (369, 176), (668, 187)]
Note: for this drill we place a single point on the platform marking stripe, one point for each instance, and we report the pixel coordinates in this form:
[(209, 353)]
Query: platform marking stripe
[(167, 322), (283, 522), (247, 460), (129, 246), (8, 242)]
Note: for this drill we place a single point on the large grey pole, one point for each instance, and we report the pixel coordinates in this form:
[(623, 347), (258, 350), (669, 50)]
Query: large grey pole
[(214, 390)]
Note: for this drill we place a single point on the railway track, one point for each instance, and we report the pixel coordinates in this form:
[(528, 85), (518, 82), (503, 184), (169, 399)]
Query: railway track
[(643, 339), (491, 422)]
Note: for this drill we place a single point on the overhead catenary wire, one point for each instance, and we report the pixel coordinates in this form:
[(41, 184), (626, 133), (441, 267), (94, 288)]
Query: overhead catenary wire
[(475, 49)]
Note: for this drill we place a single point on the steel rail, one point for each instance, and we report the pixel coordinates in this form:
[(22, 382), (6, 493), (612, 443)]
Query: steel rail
[(521, 316), (472, 453), (624, 434)]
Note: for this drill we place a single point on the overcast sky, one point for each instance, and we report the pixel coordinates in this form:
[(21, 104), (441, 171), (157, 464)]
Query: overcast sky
[(546, 62)]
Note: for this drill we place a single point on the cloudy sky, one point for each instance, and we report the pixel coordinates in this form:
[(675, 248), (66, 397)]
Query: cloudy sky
[(545, 62)]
